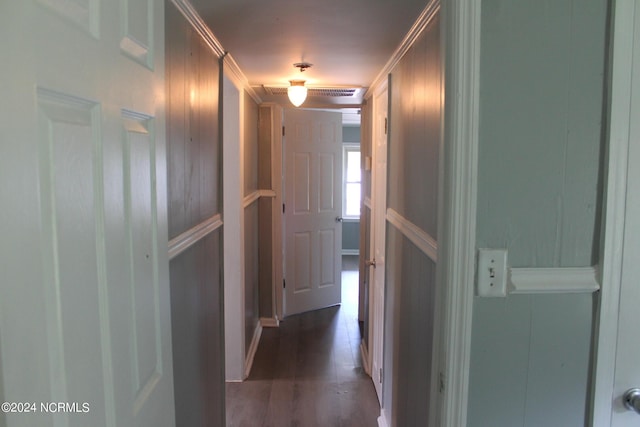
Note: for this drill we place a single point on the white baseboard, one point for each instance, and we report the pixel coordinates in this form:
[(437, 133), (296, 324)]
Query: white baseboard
[(382, 419), (252, 349), (364, 355), (269, 322)]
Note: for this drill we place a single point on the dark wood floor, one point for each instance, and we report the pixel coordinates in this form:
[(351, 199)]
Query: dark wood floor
[(308, 373)]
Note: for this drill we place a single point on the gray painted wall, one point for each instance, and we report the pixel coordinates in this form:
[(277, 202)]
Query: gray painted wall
[(414, 141), (351, 234), (251, 273), (265, 126), (251, 221), (541, 88), (193, 173), (250, 144), (351, 133)]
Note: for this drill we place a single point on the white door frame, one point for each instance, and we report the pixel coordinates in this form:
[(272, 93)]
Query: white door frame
[(456, 272), (455, 281), (621, 79), (378, 213)]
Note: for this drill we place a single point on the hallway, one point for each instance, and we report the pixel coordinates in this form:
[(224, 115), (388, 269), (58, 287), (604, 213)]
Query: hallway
[(308, 371)]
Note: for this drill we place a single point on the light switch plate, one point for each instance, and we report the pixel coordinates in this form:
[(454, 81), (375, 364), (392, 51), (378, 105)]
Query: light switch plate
[(492, 272)]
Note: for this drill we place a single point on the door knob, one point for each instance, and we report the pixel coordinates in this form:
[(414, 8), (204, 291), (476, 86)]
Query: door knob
[(338, 219), (631, 400), (370, 263)]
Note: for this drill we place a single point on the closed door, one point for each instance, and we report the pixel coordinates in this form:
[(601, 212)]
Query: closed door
[(627, 368), (313, 209), (378, 236), (84, 289)]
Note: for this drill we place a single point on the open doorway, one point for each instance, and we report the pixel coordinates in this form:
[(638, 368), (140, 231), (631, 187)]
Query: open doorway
[(322, 171), (316, 347)]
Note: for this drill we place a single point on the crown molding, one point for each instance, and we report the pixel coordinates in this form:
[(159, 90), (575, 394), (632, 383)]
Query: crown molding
[(429, 12), (230, 66), (193, 17), (235, 74)]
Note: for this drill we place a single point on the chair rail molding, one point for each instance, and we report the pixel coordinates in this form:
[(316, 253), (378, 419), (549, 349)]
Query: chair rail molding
[(427, 244), (185, 240), (427, 14), (553, 280)]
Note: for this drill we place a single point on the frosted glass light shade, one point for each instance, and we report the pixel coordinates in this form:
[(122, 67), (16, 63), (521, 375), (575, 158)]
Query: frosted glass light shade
[(297, 92)]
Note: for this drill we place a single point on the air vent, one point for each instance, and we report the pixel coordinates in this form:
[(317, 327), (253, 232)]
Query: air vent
[(327, 92)]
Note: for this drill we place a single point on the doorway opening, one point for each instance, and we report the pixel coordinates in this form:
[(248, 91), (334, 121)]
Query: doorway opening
[(317, 353)]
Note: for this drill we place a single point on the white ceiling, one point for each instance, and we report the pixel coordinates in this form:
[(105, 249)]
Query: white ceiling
[(347, 41)]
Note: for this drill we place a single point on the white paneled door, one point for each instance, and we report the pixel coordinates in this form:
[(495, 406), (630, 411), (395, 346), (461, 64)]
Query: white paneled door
[(313, 209), (84, 310), (378, 236)]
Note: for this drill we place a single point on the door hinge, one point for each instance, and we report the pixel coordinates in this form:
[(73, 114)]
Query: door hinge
[(283, 208), (441, 381), (282, 130), (386, 125), (380, 381), (284, 284)]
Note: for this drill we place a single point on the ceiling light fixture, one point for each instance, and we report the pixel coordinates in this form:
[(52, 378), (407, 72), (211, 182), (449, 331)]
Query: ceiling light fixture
[(297, 92)]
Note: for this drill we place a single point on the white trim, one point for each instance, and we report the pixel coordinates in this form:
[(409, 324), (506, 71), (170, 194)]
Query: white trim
[(364, 355), (620, 83), (418, 27), (461, 38), (367, 202), (350, 251), (377, 244), (256, 195), (270, 322), (185, 240), (382, 419), (233, 242), (267, 193), (253, 347), (427, 244), (552, 280), (276, 204), (197, 23), (193, 17), (235, 74), (251, 199)]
